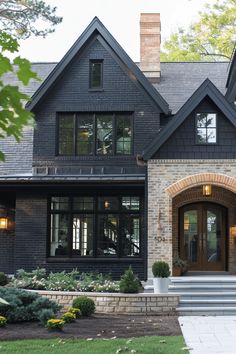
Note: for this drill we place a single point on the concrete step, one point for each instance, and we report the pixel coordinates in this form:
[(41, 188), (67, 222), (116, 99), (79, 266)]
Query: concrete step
[(209, 295), (207, 311), (207, 303), (184, 288)]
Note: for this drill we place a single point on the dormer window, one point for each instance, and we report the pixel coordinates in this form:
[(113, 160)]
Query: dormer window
[(206, 128), (96, 74)]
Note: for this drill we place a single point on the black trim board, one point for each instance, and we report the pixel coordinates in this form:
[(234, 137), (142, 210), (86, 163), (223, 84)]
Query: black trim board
[(96, 27), (207, 88)]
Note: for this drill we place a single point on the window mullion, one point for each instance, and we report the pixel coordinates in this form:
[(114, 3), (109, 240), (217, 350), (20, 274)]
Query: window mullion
[(70, 229), (95, 134), (95, 226), (113, 134), (75, 134)]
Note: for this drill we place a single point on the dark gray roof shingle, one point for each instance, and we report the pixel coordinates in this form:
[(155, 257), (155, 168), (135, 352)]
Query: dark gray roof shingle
[(180, 80)]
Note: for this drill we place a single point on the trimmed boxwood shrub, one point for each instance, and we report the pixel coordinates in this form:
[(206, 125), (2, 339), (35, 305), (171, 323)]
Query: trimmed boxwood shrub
[(24, 305), (160, 269), (3, 279), (85, 304)]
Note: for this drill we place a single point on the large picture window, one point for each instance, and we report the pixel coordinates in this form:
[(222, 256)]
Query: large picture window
[(95, 133), (87, 226)]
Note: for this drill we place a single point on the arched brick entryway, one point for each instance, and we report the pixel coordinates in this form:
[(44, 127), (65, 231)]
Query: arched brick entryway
[(200, 179), (169, 178)]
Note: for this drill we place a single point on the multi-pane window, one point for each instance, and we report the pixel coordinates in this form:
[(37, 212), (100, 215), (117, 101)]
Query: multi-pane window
[(96, 74), (206, 128), (95, 226), (94, 133)]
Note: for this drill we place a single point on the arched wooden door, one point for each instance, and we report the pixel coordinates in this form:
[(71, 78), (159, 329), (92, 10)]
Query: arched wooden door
[(203, 236)]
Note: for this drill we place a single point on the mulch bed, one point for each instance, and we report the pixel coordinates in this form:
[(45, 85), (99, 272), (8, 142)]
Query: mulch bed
[(98, 326)]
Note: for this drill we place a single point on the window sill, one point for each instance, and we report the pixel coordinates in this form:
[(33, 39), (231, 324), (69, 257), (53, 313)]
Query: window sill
[(91, 259)]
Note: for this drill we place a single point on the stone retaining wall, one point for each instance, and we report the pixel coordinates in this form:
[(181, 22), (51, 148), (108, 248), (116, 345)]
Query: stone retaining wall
[(135, 304)]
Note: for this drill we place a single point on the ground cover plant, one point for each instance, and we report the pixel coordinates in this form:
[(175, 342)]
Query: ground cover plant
[(142, 345)]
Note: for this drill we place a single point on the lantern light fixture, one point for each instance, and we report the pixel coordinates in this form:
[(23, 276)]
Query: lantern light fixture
[(207, 190), (3, 223)]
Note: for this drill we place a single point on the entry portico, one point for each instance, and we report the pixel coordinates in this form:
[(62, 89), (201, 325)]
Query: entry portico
[(175, 193)]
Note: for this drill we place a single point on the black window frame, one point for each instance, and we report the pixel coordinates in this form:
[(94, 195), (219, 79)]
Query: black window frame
[(91, 62), (94, 142), (196, 128), (95, 215)]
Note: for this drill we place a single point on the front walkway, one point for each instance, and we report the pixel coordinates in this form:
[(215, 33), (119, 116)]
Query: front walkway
[(209, 334)]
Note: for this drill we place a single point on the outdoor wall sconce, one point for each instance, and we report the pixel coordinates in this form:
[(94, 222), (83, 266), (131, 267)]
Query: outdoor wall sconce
[(206, 190), (233, 230), (3, 223)]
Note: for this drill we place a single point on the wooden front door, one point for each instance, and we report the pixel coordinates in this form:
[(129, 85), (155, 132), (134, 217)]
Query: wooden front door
[(203, 236)]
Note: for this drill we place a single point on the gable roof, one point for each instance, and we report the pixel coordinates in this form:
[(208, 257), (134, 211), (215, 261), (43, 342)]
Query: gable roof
[(96, 27), (206, 89)]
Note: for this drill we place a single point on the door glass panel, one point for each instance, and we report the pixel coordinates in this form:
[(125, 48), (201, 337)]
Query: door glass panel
[(191, 235), (213, 237)]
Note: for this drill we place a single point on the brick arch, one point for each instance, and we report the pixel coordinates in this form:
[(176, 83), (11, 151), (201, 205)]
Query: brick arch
[(202, 178)]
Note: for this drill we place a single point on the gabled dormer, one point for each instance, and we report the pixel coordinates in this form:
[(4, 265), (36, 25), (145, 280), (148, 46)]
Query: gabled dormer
[(203, 128), (96, 110)]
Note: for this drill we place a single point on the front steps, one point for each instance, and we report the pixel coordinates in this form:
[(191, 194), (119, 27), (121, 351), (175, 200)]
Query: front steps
[(203, 295)]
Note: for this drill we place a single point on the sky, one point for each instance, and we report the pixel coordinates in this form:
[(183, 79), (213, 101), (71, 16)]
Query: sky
[(121, 17)]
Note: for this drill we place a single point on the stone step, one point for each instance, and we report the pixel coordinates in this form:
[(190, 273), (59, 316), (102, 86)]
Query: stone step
[(203, 281), (207, 311), (184, 288), (207, 303), (209, 296)]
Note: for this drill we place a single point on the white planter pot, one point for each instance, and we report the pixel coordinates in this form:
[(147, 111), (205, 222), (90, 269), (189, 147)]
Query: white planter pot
[(160, 285)]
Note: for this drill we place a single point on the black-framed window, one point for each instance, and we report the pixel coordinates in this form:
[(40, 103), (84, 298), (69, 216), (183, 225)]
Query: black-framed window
[(96, 74), (101, 226), (95, 133), (206, 128)]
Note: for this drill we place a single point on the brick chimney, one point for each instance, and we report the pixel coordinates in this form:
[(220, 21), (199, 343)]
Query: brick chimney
[(150, 40)]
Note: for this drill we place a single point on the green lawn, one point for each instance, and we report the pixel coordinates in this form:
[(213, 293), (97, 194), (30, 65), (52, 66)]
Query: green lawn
[(142, 345)]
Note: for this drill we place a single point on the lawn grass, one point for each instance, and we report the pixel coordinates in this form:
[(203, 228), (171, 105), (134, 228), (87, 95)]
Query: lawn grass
[(142, 345)]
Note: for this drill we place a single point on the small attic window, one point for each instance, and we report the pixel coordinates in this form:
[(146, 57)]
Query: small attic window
[(96, 74), (206, 132)]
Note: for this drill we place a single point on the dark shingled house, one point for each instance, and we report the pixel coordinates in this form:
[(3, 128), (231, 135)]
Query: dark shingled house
[(127, 164)]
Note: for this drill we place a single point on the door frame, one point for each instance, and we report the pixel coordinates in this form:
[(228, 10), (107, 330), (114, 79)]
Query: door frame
[(200, 206)]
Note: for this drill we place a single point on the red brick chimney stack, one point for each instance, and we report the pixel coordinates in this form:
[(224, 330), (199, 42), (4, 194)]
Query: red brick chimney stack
[(150, 41)]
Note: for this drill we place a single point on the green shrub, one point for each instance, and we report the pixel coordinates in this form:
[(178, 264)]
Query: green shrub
[(75, 311), (24, 305), (129, 282), (44, 315), (55, 323), (3, 279), (3, 321), (160, 269), (68, 317), (85, 304)]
